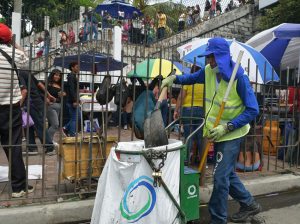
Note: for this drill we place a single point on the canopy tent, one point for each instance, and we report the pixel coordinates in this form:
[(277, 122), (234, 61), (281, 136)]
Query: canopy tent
[(118, 9), (280, 45), (101, 62)]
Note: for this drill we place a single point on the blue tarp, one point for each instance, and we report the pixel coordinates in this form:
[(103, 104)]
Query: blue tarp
[(102, 62)]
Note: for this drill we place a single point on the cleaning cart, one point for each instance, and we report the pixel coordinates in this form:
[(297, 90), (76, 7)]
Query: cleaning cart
[(184, 199)]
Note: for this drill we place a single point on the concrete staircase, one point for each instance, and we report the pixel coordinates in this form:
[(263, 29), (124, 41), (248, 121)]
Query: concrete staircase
[(238, 24)]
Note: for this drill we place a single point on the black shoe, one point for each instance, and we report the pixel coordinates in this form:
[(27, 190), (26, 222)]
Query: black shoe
[(50, 151), (22, 193), (245, 212)]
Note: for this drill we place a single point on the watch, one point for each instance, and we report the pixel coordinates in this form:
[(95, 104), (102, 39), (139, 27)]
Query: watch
[(230, 126)]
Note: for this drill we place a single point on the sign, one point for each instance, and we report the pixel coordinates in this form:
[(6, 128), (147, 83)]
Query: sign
[(266, 3)]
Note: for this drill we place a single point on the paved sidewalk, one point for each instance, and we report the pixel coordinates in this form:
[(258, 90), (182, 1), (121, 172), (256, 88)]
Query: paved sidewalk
[(259, 182)]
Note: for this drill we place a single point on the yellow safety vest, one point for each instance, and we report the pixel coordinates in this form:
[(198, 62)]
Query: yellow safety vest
[(213, 100)]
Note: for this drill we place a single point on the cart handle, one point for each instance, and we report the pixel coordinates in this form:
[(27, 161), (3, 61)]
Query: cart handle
[(190, 118)]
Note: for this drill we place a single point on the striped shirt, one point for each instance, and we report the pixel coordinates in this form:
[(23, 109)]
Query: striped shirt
[(21, 61)]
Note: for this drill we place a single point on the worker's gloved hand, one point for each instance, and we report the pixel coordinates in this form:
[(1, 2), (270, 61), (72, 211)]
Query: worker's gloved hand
[(167, 82), (217, 132)]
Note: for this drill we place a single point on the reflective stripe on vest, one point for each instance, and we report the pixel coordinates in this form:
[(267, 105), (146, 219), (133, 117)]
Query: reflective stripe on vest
[(233, 107)]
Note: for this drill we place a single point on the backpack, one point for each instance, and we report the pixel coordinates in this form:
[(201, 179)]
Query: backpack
[(105, 90), (140, 113), (118, 88)]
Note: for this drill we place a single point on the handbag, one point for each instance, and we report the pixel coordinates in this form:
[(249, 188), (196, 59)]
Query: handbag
[(105, 91), (121, 87), (26, 122)]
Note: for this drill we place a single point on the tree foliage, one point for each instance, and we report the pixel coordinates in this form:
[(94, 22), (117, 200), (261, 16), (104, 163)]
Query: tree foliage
[(60, 11), (286, 11)]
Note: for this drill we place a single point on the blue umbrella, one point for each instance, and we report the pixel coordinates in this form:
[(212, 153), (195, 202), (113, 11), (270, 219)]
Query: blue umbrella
[(118, 9), (251, 59), (102, 63), (280, 45)]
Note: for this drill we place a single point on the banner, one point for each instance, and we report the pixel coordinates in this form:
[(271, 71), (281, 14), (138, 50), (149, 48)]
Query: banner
[(125, 192)]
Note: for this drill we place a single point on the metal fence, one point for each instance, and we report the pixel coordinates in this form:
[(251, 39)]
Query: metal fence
[(273, 141), (71, 18)]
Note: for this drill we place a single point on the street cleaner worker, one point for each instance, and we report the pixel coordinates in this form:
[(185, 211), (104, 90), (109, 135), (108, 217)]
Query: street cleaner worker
[(240, 109)]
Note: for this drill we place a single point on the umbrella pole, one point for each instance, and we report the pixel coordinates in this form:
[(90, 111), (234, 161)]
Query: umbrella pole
[(203, 158), (298, 76)]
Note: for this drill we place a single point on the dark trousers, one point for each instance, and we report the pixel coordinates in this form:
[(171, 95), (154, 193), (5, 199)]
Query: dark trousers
[(37, 114), (18, 175), (71, 125), (181, 25), (160, 33), (125, 118)]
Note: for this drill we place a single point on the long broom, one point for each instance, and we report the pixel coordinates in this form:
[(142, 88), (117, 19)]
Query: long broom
[(203, 158)]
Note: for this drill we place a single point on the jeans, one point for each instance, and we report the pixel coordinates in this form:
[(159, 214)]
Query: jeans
[(160, 33), (125, 118), (18, 174), (95, 31), (190, 126), (37, 114), (71, 125), (53, 118), (226, 181)]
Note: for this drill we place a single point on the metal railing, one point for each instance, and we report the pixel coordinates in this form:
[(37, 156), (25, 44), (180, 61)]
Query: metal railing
[(75, 169)]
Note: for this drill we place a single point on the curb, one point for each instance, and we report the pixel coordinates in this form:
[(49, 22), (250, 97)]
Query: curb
[(76, 211), (260, 186), (65, 212)]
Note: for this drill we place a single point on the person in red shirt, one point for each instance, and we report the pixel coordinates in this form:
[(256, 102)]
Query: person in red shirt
[(294, 98), (71, 35)]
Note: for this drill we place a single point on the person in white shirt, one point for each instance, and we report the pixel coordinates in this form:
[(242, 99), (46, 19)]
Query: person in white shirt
[(10, 97)]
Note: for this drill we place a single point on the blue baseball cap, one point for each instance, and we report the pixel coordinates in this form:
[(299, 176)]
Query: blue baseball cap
[(219, 47), (216, 46)]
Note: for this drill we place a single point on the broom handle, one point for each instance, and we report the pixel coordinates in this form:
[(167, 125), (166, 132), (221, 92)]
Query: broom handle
[(163, 94), (203, 158)]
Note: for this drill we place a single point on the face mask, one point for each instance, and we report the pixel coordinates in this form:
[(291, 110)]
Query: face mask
[(216, 69)]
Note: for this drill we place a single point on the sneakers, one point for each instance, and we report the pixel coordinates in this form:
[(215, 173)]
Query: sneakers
[(50, 151), (245, 212), (32, 151), (22, 193), (64, 132)]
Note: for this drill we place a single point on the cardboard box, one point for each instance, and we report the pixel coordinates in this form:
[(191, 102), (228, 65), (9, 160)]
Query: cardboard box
[(76, 159)]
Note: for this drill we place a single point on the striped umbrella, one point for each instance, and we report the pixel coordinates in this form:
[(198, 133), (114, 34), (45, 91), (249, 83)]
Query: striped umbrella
[(251, 59), (156, 67), (280, 45)]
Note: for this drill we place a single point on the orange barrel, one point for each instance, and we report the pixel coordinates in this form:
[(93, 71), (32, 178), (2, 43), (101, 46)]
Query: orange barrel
[(271, 137)]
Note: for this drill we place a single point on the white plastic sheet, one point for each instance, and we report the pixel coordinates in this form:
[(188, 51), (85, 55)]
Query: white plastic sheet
[(34, 172), (126, 194)]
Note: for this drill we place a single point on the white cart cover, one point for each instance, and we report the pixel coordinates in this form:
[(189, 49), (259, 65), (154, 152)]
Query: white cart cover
[(125, 191)]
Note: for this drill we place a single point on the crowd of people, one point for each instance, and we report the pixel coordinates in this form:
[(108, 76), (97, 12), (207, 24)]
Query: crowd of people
[(23, 99), (138, 30)]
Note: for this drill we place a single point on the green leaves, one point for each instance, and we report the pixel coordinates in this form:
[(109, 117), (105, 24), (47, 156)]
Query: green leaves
[(286, 11)]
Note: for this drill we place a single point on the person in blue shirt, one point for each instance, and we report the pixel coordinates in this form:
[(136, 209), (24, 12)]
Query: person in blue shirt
[(240, 109)]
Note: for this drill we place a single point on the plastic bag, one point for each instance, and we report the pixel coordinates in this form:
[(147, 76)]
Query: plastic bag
[(24, 120), (87, 125)]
